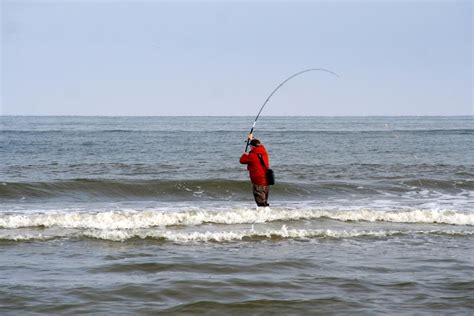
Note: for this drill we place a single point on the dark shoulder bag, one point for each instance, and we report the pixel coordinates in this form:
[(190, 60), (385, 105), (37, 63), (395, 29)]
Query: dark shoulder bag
[(269, 172)]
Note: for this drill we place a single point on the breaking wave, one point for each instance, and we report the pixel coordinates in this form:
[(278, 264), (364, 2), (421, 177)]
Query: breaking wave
[(223, 236), (192, 217)]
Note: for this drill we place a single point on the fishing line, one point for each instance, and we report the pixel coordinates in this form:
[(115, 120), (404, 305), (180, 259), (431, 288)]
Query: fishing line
[(278, 87)]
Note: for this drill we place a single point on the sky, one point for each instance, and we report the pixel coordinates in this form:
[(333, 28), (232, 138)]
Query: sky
[(130, 57)]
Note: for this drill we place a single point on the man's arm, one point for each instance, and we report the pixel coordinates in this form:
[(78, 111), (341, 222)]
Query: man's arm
[(244, 159)]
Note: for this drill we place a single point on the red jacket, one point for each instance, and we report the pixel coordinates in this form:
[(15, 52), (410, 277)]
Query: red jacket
[(254, 166)]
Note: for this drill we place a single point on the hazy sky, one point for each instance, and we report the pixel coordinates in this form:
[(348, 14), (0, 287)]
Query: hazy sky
[(224, 58)]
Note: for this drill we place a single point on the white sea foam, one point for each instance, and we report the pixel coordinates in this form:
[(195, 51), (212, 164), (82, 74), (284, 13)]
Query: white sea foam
[(222, 236), (16, 236), (227, 236), (151, 218)]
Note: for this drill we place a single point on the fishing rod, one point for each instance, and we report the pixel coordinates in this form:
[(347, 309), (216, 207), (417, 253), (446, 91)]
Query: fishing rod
[(278, 87)]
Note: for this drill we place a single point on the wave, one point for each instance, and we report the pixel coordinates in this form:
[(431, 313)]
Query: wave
[(158, 218), (226, 236), (90, 188), (251, 235), (440, 184), (209, 189), (164, 190)]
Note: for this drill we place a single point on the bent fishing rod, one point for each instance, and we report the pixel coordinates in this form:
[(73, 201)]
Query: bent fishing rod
[(276, 89)]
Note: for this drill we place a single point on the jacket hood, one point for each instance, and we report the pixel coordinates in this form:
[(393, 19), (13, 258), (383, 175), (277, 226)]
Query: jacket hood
[(259, 150)]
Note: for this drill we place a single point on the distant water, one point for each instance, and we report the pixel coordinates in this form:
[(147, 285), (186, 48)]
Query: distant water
[(143, 215)]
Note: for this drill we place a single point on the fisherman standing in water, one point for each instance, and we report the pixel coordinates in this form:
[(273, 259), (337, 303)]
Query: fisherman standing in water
[(257, 164), (257, 160)]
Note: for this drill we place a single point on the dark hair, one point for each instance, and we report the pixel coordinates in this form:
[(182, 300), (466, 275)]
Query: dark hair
[(255, 142)]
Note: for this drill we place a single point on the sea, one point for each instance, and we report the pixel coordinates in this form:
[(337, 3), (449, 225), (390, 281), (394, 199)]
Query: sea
[(155, 215)]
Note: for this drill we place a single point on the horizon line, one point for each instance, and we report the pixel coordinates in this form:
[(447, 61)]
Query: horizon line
[(102, 115)]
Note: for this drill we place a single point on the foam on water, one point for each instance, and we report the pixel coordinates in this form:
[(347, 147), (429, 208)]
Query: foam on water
[(129, 219), (227, 236), (221, 236)]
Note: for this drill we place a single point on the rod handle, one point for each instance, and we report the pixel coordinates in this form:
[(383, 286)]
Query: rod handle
[(248, 141)]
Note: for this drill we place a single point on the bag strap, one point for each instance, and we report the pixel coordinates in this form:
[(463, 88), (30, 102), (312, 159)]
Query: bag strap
[(261, 160)]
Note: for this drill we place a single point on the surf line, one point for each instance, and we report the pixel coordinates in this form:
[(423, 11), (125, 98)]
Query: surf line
[(278, 87)]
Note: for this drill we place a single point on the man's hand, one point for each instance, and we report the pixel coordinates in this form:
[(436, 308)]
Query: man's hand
[(250, 136), (245, 153)]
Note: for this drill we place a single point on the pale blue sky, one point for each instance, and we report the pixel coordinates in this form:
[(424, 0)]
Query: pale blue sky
[(224, 58)]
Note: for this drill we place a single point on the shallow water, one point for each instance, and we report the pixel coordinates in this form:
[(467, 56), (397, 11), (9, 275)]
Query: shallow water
[(152, 214)]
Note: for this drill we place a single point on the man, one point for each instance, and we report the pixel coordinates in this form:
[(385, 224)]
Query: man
[(257, 172)]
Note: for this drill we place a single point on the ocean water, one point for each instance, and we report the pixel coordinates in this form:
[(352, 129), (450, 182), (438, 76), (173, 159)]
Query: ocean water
[(154, 215)]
